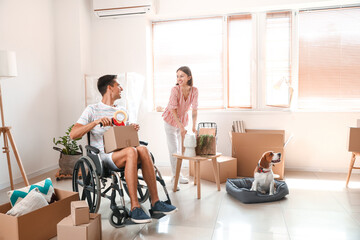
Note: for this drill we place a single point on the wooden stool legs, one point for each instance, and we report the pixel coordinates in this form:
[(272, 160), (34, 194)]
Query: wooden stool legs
[(351, 167)]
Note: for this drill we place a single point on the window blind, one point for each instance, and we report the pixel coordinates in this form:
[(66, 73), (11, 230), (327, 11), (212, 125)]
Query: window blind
[(277, 59), (241, 47), (196, 43), (329, 57)]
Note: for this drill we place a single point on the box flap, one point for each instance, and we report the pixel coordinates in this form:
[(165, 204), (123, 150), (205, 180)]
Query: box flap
[(265, 131)]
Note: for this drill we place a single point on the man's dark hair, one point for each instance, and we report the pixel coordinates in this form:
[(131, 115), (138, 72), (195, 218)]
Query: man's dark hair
[(104, 82)]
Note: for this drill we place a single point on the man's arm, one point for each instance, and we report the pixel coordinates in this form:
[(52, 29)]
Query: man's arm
[(80, 130)]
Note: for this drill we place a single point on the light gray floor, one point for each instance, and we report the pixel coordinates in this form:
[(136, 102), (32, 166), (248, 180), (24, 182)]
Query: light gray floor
[(318, 207)]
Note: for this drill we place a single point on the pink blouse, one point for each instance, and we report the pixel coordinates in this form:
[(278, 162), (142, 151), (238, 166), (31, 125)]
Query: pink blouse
[(182, 106)]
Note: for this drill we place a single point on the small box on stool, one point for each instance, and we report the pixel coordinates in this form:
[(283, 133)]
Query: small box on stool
[(79, 212), (227, 167), (89, 231), (354, 140)]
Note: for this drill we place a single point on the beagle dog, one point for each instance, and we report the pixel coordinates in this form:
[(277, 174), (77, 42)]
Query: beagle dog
[(263, 174)]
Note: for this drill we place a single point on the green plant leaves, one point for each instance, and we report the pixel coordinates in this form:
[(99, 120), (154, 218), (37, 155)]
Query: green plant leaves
[(204, 140), (70, 147)]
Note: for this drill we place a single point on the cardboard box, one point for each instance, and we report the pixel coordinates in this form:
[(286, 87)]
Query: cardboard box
[(354, 140), (39, 224), (89, 231), (208, 148), (80, 212), (227, 167), (119, 137), (248, 148)]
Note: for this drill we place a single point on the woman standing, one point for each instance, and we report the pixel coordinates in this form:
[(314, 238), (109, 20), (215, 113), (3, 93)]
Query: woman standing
[(183, 95)]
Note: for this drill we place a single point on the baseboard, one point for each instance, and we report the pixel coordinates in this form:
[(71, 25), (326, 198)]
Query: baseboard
[(29, 176), (185, 164), (343, 170)]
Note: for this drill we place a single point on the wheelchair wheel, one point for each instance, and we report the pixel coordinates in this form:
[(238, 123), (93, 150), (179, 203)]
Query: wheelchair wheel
[(117, 218), (142, 191), (86, 182)]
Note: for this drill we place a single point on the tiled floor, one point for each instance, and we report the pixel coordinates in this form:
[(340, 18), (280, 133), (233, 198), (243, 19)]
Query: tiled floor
[(318, 207)]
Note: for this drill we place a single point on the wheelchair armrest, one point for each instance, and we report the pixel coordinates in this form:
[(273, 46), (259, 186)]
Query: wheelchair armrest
[(92, 149), (143, 143)]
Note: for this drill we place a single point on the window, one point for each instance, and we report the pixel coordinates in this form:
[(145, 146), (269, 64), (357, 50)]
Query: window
[(277, 59), (329, 58), (245, 61), (241, 51), (196, 43)]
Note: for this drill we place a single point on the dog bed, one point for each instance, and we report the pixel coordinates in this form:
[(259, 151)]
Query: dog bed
[(240, 189)]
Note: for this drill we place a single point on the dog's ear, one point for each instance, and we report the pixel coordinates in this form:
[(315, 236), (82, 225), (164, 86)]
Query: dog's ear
[(263, 161)]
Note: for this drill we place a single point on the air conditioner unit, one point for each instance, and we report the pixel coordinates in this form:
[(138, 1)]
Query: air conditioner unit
[(118, 8)]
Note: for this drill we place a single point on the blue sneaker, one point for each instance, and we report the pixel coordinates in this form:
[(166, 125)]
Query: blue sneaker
[(138, 215), (162, 207)]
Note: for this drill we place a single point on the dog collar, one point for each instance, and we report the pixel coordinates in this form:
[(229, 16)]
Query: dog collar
[(262, 170)]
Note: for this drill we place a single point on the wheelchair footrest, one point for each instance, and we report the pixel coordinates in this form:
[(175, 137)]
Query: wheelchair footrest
[(129, 222), (156, 215)]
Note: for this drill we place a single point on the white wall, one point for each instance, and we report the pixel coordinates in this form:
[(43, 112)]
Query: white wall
[(29, 100), (58, 41)]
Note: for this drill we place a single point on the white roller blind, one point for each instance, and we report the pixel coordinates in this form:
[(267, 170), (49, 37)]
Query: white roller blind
[(241, 46), (277, 58), (329, 58), (196, 43)]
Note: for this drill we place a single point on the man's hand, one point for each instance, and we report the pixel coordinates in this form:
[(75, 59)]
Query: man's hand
[(104, 121), (136, 126)]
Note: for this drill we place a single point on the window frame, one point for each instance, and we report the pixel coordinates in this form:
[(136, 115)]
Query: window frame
[(258, 82)]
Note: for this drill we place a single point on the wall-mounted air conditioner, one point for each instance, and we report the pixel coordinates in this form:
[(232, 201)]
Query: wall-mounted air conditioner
[(118, 8)]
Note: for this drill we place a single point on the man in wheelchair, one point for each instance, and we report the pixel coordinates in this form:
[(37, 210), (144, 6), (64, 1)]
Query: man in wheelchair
[(127, 158)]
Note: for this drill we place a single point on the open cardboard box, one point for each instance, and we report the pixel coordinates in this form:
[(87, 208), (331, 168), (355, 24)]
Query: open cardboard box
[(39, 224), (248, 148), (119, 137)]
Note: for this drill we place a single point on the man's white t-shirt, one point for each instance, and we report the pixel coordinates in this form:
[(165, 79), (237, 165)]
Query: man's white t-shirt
[(94, 112)]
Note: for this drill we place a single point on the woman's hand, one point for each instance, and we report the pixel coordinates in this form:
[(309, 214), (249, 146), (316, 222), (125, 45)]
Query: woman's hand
[(194, 130), (183, 132)]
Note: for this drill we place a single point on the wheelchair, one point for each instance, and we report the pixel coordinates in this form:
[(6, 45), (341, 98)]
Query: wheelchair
[(90, 177)]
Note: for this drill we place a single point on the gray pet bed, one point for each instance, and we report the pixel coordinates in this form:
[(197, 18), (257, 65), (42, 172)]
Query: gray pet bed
[(240, 189)]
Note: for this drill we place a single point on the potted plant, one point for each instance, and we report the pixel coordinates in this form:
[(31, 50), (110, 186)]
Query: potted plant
[(206, 144), (69, 154)]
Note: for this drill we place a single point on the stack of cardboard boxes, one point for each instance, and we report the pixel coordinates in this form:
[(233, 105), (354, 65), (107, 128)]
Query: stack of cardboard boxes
[(80, 224), (39, 224)]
